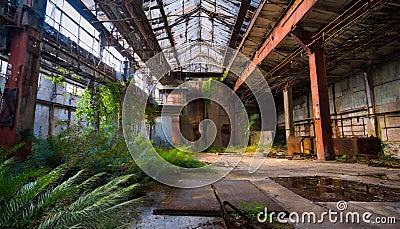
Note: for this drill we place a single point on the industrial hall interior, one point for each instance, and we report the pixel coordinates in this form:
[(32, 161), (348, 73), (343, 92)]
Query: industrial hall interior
[(199, 113)]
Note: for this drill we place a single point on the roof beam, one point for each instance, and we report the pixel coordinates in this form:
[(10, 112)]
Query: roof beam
[(287, 23), (249, 28), (244, 6), (139, 17), (168, 28)]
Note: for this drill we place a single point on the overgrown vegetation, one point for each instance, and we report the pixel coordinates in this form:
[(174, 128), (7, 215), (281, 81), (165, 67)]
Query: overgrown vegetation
[(101, 106), (179, 158), (253, 211), (54, 200), (80, 178)]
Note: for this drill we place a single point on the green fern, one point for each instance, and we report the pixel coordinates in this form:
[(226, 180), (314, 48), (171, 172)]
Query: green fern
[(11, 181), (92, 208), (6, 151), (11, 210), (81, 205)]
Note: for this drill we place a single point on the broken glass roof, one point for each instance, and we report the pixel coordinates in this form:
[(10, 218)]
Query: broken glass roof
[(180, 23)]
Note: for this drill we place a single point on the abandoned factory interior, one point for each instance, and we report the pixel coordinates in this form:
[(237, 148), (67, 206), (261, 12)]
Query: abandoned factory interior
[(199, 113)]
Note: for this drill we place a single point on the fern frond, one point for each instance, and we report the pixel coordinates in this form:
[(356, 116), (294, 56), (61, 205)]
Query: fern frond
[(93, 207), (29, 191), (6, 163), (89, 183), (53, 195)]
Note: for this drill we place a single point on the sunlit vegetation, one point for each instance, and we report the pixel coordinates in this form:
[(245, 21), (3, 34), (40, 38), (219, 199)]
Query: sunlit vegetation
[(84, 177), (179, 158)]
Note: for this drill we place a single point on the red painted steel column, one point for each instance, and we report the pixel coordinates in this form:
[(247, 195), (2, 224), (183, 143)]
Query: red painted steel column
[(24, 58), (320, 100)]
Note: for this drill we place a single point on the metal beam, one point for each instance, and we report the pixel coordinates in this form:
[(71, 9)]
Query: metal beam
[(320, 101), (136, 12), (287, 23), (168, 29), (244, 6), (249, 28), (17, 113)]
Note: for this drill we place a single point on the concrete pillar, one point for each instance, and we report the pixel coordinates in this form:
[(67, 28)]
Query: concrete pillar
[(320, 100), (17, 120), (288, 108)]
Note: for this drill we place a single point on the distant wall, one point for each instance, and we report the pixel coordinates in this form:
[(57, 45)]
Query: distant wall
[(352, 113), (55, 108)]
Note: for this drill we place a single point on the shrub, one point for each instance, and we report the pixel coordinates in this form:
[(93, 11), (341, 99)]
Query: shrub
[(179, 158)]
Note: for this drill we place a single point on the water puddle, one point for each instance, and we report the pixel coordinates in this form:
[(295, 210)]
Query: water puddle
[(323, 189)]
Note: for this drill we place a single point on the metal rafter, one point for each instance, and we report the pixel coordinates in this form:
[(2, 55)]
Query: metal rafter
[(244, 6), (166, 24), (249, 28), (145, 43), (136, 12), (168, 29), (292, 16)]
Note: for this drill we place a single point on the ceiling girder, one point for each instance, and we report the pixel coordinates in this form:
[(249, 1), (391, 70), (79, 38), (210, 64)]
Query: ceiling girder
[(292, 16)]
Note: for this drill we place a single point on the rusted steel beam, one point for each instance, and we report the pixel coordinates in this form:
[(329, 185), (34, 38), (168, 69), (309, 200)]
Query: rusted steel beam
[(17, 112), (319, 94), (56, 51), (292, 16), (320, 101)]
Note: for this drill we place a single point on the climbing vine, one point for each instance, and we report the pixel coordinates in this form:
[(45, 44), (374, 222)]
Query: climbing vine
[(103, 103), (59, 78), (85, 107)]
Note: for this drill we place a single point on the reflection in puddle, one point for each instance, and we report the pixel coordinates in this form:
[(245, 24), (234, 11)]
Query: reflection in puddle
[(335, 189)]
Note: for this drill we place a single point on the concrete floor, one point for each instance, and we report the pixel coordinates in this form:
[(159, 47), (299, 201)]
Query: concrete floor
[(347, 171), (292, 202)]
